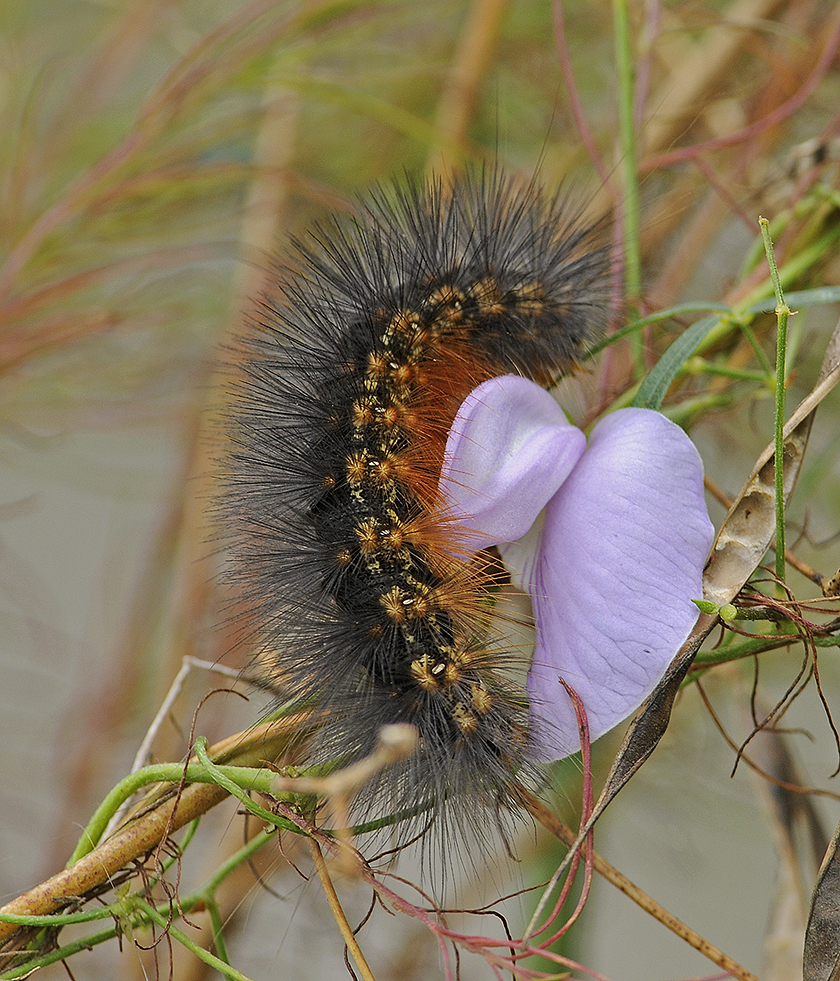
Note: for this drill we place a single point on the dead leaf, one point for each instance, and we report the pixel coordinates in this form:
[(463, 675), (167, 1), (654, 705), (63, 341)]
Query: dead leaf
[(822, 937)]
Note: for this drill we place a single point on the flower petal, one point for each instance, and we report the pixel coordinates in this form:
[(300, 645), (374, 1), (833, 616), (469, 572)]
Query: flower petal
[(622, 555), (508, 451)]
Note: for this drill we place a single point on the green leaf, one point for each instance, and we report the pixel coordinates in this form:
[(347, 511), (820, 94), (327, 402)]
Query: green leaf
[(653, 389)]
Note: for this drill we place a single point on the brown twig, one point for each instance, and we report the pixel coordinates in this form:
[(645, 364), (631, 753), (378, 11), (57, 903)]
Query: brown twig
[(338, 912)]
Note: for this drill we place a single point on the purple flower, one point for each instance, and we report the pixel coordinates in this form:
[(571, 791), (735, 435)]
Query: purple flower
[(609, 540)]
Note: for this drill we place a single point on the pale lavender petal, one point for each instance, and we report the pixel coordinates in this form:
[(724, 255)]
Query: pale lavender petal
[(622, 555), (508, 451)]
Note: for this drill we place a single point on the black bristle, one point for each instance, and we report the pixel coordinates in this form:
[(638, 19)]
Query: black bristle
[(355, 374)]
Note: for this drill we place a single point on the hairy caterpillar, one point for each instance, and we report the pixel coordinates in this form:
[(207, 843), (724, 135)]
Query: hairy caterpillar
[(361, 598)]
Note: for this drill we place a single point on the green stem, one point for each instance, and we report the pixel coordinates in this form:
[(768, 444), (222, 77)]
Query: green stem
[(239, 857), (782, 314), (203, 896), (749, 648), (216, 774), (629, 150), (699, 366), (805, 259), (216, 925), (59, 954), (204, 955)]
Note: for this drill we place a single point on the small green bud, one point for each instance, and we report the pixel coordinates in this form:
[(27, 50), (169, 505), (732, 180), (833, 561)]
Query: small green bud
[(706, 606)]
